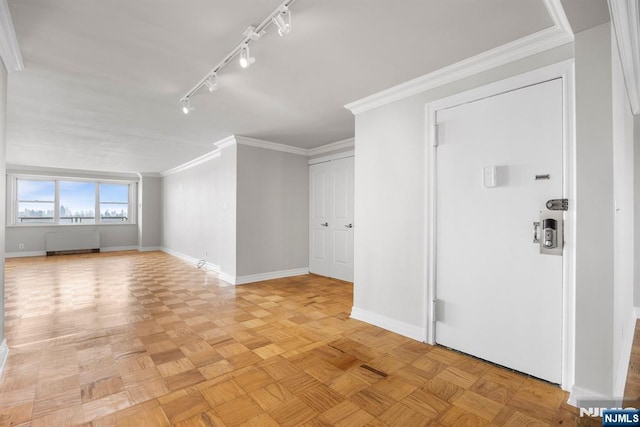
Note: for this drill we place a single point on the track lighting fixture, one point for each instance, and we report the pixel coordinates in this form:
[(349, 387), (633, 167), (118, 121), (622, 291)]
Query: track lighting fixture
[(283, 21), (245, 57), (186, 106), (212, 83), (281, 18)]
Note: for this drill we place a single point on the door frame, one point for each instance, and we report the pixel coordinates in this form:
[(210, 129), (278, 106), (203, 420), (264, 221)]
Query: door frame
[(565, 71)]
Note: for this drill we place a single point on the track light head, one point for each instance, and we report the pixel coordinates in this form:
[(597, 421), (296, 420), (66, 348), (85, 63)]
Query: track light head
[(212, 83), (283, 21), (245, 57), (186, 106)]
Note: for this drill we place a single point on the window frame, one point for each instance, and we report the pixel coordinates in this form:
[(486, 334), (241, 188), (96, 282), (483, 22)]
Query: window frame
[(12, 196)]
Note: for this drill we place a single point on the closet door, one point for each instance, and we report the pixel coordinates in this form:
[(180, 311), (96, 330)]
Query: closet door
[(331, 219)]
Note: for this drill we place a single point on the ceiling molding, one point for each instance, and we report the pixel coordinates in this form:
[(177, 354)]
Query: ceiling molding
[(258, 143), (192, 163), (226, 142), (330, 157), (558, 16), (625, 16), (540, 41), (17, 168), (9, 49), (268, 145), (334, 146)]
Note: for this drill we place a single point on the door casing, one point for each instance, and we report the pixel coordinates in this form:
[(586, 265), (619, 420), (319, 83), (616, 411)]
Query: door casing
[(565, 71)]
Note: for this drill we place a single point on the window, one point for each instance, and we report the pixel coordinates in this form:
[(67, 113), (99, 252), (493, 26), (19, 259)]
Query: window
[(36, 201), (77, 202), (114, 203), (48, 200)]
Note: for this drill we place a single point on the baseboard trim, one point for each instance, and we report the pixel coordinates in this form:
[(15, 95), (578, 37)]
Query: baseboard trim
[(24, 254), (637, 311), (579, 394), (252, 278), (410, 331), (119, 248), (620, 379), (4, 355), (188, 258), (149, 248)]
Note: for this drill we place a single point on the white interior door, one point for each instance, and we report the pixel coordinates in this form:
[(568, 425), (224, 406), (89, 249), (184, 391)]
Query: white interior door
[(331, 219), (498, 297)]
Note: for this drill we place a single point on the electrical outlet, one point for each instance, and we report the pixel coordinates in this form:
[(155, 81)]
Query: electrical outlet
[(20, 245)]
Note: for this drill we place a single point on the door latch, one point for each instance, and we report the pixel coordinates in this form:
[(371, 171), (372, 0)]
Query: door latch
[(558, 204)]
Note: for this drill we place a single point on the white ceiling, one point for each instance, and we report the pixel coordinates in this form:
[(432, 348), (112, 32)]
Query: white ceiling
[(103, 78)]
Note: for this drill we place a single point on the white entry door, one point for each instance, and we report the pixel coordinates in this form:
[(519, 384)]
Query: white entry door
[(497, 296), (331, 219)]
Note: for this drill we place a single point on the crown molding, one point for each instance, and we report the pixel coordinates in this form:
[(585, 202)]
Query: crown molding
[(334, 146), (9, 49), (258, 143), (558, 35), (268, 145), (226, 142), (625, 16), (192, 163)]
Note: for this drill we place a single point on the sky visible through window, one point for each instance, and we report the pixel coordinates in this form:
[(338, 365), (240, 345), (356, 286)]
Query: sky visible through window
[(77, 199)]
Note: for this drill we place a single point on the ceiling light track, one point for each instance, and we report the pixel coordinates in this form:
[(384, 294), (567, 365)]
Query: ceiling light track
[(280, 17)]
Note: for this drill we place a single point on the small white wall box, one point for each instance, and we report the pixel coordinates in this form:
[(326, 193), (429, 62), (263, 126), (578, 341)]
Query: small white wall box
[(489, 177)]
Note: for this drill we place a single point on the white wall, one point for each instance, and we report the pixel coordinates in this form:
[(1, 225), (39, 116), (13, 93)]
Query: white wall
[(3, 131), (390, 167), (594, 210), (636, 231), (33, 237), (192, 212), (149, 212), (623, 227), (273, 211)]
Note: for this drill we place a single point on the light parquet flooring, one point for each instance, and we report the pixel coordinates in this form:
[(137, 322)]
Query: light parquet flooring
[(145, 339)]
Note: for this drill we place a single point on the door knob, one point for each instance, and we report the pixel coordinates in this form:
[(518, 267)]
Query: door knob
[(349, 225), (326, 224)]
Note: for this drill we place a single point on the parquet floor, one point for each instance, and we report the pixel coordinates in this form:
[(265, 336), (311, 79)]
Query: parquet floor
[(145, 339), (632, 388)]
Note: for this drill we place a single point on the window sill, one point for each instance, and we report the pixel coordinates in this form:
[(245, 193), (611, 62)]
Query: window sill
[(71, 225)]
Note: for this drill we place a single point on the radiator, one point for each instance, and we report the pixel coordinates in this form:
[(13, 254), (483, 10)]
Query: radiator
[(72, 242)]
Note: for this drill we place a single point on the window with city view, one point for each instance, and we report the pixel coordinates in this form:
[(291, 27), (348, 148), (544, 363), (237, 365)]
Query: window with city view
[(53, 201)]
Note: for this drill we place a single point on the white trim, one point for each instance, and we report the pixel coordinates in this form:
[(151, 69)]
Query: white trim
[(268, 145), (9, 48), (579, 393), (337, 156), (620, 378), (192, 163), (252, 278), (540, 41), (4, 355), (393, 325), (225, 142), (564, 70), (327, 148), (258, 143), (149, 248), (637, 312), (119, 248), (559, 18), (227, 278), (191, 260), (625, 17), (24, 254)]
